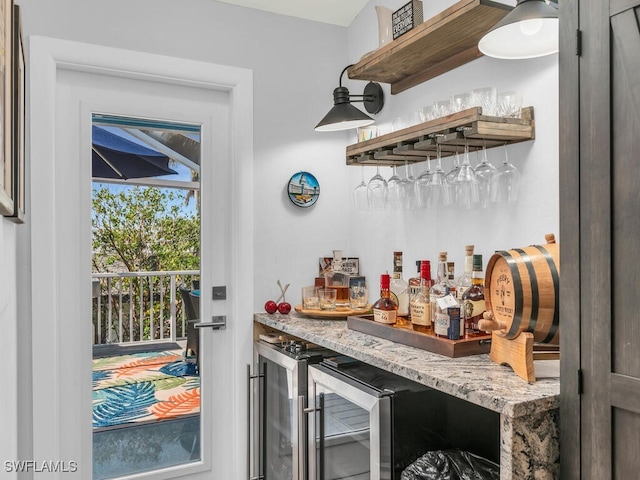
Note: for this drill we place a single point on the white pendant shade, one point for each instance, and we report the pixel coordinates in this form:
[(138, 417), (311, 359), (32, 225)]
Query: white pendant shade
[(529, 31)]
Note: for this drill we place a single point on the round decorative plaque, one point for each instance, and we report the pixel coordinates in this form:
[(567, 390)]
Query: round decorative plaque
[(303, 189)]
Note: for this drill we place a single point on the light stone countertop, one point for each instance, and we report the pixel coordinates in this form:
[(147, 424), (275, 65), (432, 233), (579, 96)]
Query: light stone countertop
[(474, 378)]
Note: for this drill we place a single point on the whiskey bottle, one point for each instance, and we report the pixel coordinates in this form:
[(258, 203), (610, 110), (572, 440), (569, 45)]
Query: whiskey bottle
[(385, 310), (473, 300), (399, 288), (464, 281), (420, 305), (338, 279)]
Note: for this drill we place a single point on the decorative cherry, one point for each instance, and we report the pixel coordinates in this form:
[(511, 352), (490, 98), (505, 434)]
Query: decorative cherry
[(284, 307), (271, 306)]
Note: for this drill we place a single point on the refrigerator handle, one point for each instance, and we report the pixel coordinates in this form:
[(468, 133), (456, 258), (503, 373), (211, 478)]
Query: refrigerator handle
[(303, 472), (251, 402), (321, 436)]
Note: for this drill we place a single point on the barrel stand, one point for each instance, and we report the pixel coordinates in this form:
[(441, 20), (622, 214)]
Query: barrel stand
[(520, 353)]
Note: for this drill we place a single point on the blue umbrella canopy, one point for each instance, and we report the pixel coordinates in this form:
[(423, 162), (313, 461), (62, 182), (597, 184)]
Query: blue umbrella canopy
[(113, 156)]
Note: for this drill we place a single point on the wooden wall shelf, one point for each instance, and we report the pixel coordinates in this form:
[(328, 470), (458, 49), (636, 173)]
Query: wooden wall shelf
[(445, 41), (417, 142)]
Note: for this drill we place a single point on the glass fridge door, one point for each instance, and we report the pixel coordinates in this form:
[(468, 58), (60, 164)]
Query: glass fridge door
[(281, 456), (349, 421)]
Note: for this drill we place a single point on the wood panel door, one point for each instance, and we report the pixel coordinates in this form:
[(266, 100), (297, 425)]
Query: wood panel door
[(607, 442)]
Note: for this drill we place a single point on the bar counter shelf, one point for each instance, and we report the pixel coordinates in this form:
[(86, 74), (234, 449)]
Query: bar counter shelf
[(528, 412)]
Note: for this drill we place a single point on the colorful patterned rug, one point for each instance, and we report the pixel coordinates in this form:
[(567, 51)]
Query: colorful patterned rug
[(144, 387)]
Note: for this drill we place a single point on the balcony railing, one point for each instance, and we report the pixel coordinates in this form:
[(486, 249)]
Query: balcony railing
[(132, 307)]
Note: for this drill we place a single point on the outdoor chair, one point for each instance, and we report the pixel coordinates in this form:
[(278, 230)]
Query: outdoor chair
[(192, 309)]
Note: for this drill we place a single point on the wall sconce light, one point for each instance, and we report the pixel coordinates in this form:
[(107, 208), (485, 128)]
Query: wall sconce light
[(343, 115), (530, 30)]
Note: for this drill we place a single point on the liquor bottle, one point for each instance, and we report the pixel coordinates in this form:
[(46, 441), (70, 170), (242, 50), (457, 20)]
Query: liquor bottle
[(473, 300), (385, 310), (440, 290), (414, 284), (338, 279), (399, 287), (420, 305), (464, 281)]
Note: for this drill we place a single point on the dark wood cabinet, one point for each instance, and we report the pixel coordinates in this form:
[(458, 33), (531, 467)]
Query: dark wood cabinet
[(600, 226)]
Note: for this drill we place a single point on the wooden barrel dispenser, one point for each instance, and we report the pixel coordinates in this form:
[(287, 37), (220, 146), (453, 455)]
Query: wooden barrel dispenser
[(522, 288)]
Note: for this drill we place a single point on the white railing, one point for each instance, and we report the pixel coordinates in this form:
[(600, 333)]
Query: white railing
[(131, 307)]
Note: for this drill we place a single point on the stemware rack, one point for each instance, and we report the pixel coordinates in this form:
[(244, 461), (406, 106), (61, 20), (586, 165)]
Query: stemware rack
[(451, 133)]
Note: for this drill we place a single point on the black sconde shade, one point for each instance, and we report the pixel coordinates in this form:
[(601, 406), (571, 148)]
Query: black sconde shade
[(344, 116), (530, 30)]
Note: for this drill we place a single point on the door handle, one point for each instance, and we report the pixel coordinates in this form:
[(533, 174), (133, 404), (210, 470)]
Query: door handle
[(219, 322)]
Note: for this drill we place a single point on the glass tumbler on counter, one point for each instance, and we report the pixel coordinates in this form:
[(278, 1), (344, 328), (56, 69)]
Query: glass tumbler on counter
[(311, 298), (358, 295), (327, 298)]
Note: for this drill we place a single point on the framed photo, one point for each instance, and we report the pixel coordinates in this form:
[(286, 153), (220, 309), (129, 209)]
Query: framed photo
[(6, 160), (18, 126)]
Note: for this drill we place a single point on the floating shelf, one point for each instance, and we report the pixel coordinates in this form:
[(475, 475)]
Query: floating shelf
[(414, 144), (442, 43)]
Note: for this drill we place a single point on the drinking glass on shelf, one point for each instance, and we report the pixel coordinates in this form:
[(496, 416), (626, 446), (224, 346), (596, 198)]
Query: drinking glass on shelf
[(486, 175), (466, 183), (427, 113), (414, 118), (442, 108), (398, 123), (409, 186), (484, 97), (508, 182), (377, 191), (422, 185), (395, 192), (460, 102), (360, 197), (367, 133), (451, 177), (509, 104), (439, 194)]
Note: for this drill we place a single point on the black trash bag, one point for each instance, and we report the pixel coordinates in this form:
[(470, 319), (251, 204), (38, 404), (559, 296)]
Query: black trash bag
[(451, 465)]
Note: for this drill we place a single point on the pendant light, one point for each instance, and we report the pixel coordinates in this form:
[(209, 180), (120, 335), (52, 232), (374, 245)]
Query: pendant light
[(530, 30), (343, 115)]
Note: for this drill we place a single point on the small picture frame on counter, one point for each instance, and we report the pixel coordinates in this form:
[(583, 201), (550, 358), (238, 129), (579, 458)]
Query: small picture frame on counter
[(348, 265), (406, 18)]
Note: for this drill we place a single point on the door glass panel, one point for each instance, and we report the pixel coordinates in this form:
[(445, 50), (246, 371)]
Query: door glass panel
[(346, 437), (146, 270), (278, 421)]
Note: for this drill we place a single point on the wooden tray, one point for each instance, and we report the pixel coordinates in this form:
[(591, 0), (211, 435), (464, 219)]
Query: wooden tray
[(340, 313), (431, 343)]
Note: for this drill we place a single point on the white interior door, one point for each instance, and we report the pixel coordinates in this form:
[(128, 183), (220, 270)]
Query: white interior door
[(61, 250)]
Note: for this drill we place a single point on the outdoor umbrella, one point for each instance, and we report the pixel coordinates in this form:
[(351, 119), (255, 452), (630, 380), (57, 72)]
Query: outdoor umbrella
[(113, 156)]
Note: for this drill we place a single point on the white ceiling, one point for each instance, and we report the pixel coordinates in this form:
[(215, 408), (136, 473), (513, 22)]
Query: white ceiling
[(337, 12)]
